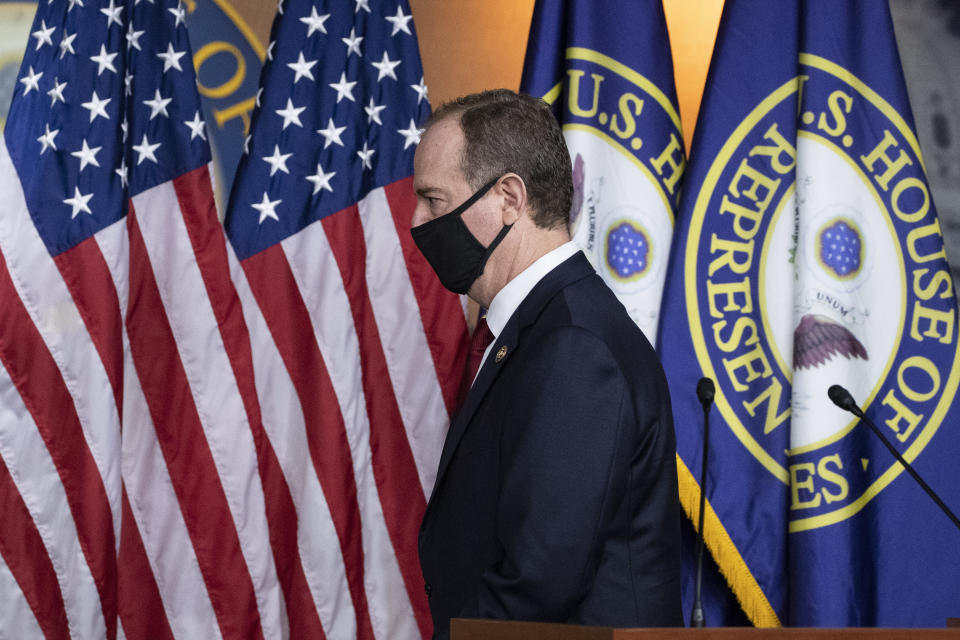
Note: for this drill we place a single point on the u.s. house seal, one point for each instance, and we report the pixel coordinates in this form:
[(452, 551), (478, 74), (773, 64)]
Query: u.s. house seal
[(817, 258)]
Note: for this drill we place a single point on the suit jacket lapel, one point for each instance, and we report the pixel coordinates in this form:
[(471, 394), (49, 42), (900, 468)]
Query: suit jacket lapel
[(569, 271)]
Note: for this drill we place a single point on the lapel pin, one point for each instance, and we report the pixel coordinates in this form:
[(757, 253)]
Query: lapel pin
[(501, 353)]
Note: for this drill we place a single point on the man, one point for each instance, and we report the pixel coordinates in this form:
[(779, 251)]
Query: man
[(556, 496)]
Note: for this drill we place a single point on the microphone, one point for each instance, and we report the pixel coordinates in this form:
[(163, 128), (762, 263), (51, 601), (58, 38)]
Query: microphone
[(705, 393), (842, 398)]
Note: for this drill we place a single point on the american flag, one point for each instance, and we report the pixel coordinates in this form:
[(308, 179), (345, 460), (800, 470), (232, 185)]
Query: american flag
[(162, 466), (356, 344)]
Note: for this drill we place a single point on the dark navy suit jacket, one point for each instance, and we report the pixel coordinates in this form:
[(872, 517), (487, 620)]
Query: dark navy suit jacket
[(556, 496)]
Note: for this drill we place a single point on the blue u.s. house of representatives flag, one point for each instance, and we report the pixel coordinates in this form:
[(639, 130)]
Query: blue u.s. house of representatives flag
[(809, 253), (609, 76)]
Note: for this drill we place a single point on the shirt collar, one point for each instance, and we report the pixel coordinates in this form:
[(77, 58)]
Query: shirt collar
[(509, 298)]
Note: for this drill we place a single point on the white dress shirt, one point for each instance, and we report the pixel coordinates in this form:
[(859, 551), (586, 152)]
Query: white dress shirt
[(505, 303)]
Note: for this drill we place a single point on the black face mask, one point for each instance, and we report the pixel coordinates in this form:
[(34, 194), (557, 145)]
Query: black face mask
[(455, 254)]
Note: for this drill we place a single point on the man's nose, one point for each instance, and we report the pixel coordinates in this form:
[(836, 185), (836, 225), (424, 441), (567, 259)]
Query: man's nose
[(419, 216)]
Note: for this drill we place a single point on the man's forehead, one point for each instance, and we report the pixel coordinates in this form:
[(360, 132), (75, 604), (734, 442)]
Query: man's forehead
[(439, 151), (442, 134)]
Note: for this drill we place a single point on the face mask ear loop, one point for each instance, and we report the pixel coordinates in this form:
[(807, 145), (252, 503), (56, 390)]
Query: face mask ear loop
[(459, 211), (476, 196), (489, 251)]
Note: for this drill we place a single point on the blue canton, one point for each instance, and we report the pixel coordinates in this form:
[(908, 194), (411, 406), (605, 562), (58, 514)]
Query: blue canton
[(341, 99), (106, 107)]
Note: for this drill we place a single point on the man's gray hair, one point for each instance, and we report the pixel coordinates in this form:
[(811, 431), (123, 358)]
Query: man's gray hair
[(509, 132)]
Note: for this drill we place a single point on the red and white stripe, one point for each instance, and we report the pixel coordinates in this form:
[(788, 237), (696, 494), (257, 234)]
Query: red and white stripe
[(194, 447)]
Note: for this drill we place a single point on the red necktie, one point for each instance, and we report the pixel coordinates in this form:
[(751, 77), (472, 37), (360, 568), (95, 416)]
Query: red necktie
[(481, 338)]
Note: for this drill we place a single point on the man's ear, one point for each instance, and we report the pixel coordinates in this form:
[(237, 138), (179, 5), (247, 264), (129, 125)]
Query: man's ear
[(514, 193)]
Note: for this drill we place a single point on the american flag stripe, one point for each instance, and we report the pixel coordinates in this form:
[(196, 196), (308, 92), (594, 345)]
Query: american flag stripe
[(285, 425), (186, 451), (442, 315), (209, 245), (32, 594), (336, 336), (91, 286), (394, 468), (43, 389), (55, 316), (219, 405), (397, 314), (170, 563), (98, 291), (88, 280), (279, 298), (138, 597), (18, 617), (163, 529), (75, 419), (369, 340)]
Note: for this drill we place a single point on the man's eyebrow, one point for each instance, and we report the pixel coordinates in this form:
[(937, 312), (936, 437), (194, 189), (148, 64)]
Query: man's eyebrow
[(424, 191)]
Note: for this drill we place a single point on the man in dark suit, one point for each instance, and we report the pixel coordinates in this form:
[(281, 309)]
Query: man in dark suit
[(556, 496)]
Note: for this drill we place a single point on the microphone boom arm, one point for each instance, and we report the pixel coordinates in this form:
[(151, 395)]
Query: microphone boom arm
[(842, 398)]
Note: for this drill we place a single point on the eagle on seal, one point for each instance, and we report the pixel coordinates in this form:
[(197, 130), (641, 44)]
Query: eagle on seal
[(818, 338)]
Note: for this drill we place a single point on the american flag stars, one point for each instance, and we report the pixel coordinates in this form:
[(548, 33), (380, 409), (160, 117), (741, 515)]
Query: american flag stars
[(267, 208), (46, 140), (331, 135), (78, 203), (76, 116), (315, 22), (277, 161), (291, 114), (43, 35), (133, 38), (321, 180), (179, 14), (87, 155), (351, 76), (353, 43), (31, 81), (104, 60), (365, 155), (411, 135), (66, 45), (158, 105), (343, 88), (373, 112), (171, 58), (97, 106), (145, 150), (302, 68), (400, 22), (196, 126), (421, 90), (386, 67), (113, 14), (56, 92)]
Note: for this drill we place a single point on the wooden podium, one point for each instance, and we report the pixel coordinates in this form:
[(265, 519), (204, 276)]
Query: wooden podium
[(463, 629)]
